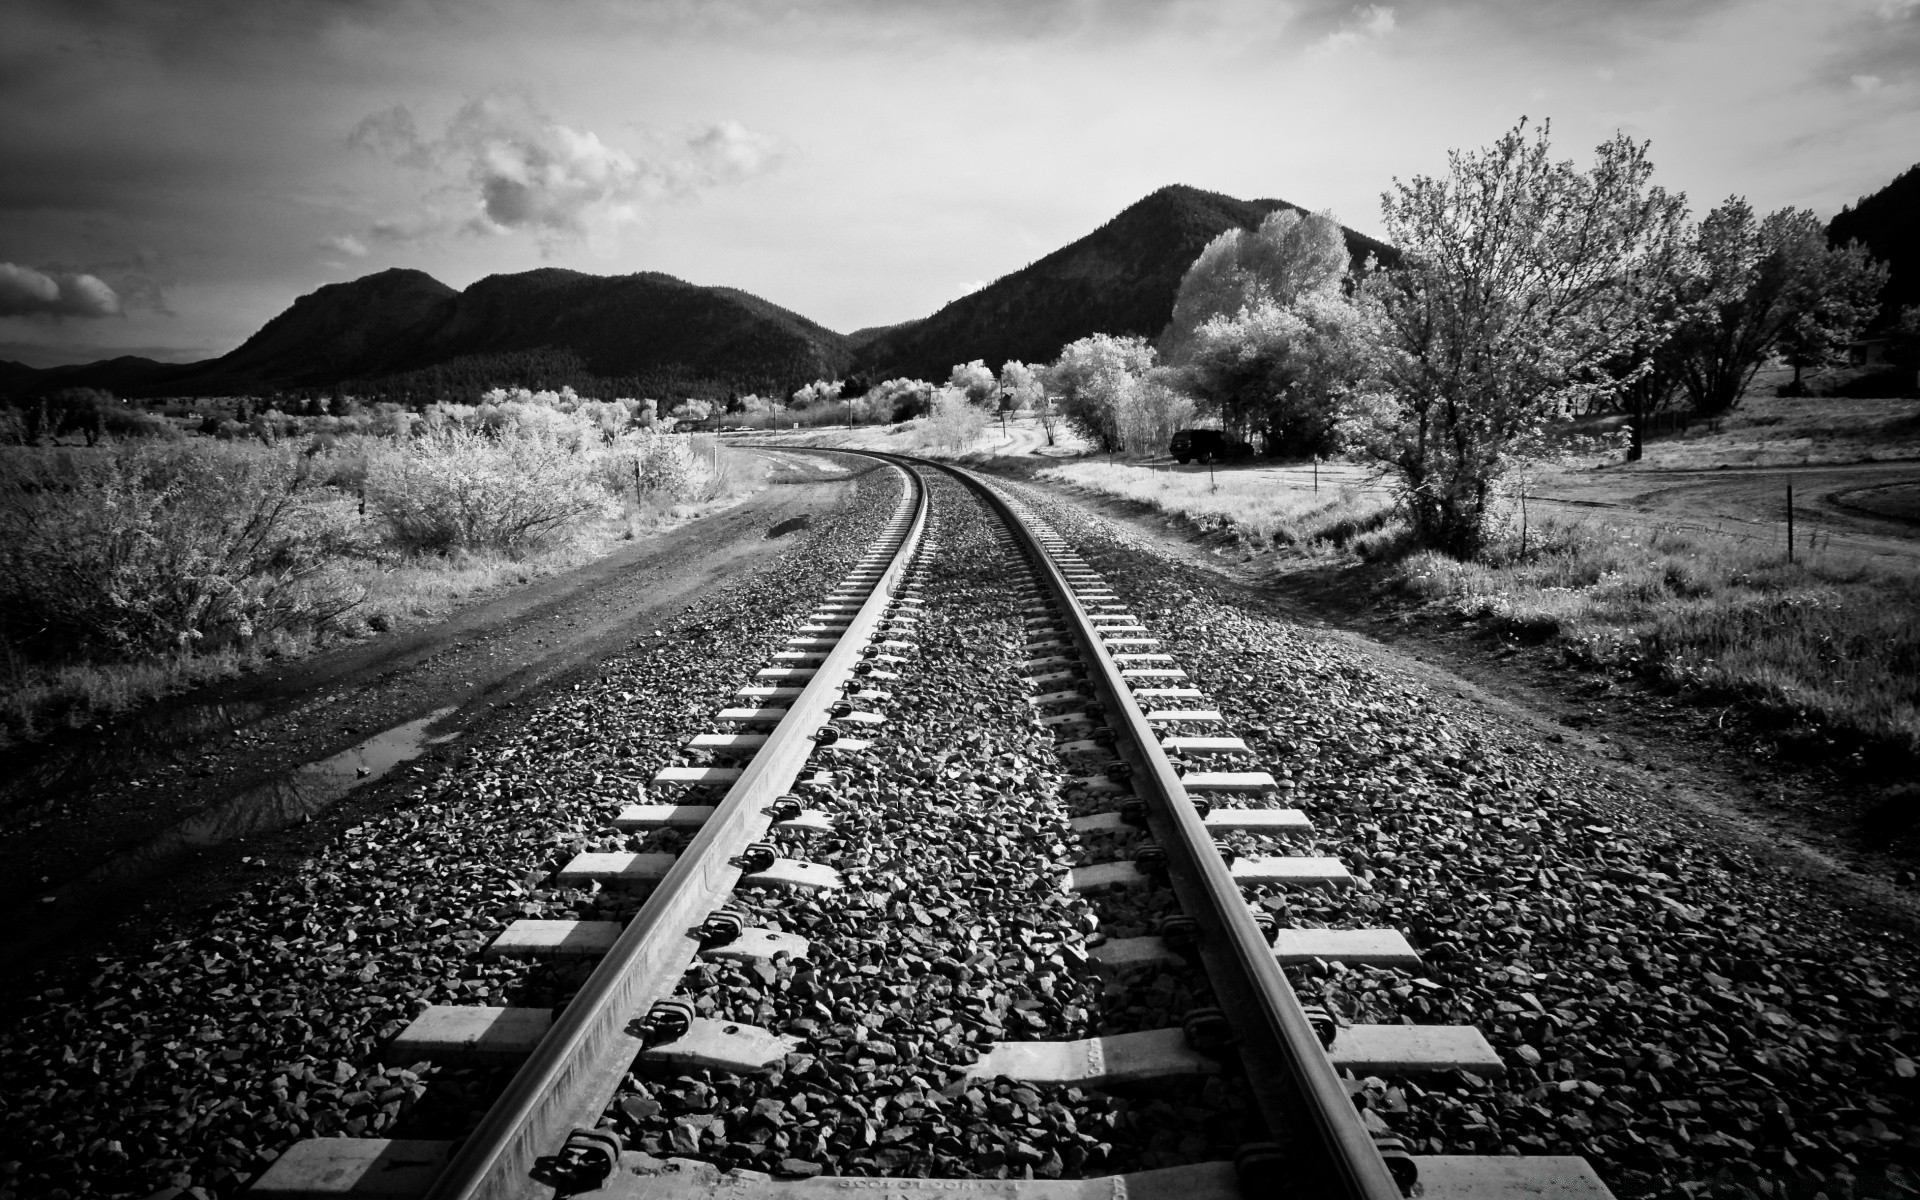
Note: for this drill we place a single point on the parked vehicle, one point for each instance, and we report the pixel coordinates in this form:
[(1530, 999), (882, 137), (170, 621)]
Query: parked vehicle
[(1207, 445)]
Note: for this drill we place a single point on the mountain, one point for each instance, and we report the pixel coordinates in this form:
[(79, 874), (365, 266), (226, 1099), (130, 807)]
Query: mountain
[(1119, 279), (352, 330), (404, 333), (1888, 223), (126, 376), (636, 326)]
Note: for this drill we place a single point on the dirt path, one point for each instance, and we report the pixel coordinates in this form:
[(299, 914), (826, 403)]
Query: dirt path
[(1749, 502), (101, 818), (1713, 777)]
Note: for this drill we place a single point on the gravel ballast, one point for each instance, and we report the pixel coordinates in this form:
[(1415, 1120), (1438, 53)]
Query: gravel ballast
[(1692, 1019), (953, 933), (191, 1062)]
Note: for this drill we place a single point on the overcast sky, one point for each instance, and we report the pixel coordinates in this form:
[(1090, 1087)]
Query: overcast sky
[(175, 172)]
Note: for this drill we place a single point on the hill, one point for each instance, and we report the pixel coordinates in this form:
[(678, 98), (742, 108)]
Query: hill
[(1120, 279), (1888, 224), (357, 329), (404, 333)]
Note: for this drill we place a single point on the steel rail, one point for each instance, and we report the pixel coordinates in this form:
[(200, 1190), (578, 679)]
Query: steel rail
[(1293, 1080), (574, 1072)]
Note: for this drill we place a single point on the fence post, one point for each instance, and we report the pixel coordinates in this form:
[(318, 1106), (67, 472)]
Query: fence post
[(1523, 516), (1789, 522)]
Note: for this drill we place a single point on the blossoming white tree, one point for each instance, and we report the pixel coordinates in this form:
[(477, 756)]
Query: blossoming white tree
[(1522, 277)]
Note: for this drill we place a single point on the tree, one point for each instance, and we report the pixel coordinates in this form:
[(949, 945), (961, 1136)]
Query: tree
[(1840, 293), (977, 382), (1289, 256), (818, 392), (1282, 370), (1020, 385), (1903, 337), (1021, 388), (1521, 278), (1755, 285), (901, 399), (955, 420), (1092, 379), (84, 409)]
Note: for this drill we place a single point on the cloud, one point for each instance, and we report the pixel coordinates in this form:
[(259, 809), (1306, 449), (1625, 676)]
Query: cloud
[(730, 152), (1370, 23), (25, 292), (1894, 10), (523, 171), (1868, 83), (392, 134), (345, 244)]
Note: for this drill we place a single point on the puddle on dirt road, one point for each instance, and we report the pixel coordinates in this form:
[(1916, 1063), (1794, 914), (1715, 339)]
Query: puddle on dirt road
[(82, 760), (262, 809)]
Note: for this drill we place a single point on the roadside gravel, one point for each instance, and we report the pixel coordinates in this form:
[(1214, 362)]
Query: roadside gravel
[(1691, 1020), (185, 1068)]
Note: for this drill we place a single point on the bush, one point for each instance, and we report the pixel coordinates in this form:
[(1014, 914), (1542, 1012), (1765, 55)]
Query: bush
[(1146, 413), (123, 423), (663, 465), (457, 489), (955, 421), (149, 549)]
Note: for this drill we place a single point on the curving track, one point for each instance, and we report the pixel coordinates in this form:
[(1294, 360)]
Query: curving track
[(756, 974)]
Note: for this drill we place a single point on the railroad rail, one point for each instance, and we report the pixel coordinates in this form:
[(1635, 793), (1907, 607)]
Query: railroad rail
[(1092, 665)]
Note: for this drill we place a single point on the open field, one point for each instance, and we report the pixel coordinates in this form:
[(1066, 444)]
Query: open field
[(225, 586), (1022, 436), (1778, 431), (1678, 575)]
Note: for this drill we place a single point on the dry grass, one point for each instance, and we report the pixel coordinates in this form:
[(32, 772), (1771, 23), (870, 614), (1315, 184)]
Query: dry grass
[(1022, 436), (398, 592), (1265, 507), (1833, 639), (1775, 431)]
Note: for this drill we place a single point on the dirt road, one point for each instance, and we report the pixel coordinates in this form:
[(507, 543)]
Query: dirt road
[(1836, 501), (93, 821)]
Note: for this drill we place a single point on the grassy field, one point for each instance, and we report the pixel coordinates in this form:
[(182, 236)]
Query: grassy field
[(1831, 640), (1778, 431), (136, 571), (1265, 506), (1021, 436)]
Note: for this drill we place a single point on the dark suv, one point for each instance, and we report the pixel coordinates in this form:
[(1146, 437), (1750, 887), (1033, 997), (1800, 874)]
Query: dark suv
[(1206, 445)]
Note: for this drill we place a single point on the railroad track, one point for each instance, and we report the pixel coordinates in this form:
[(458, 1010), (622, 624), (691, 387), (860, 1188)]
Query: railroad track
[(1146, 762)]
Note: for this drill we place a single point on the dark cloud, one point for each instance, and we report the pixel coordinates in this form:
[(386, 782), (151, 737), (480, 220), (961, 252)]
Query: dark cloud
[(392, 134), (25, 292), (1882, 47)]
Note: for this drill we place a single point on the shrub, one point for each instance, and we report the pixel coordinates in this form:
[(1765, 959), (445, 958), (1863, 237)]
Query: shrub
[(663, 465), (147, 549), (1146, 412), (456, 489), (955, 421)]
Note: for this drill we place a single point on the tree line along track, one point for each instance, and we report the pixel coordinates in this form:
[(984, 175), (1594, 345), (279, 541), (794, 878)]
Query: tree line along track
[(1128, 744)]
